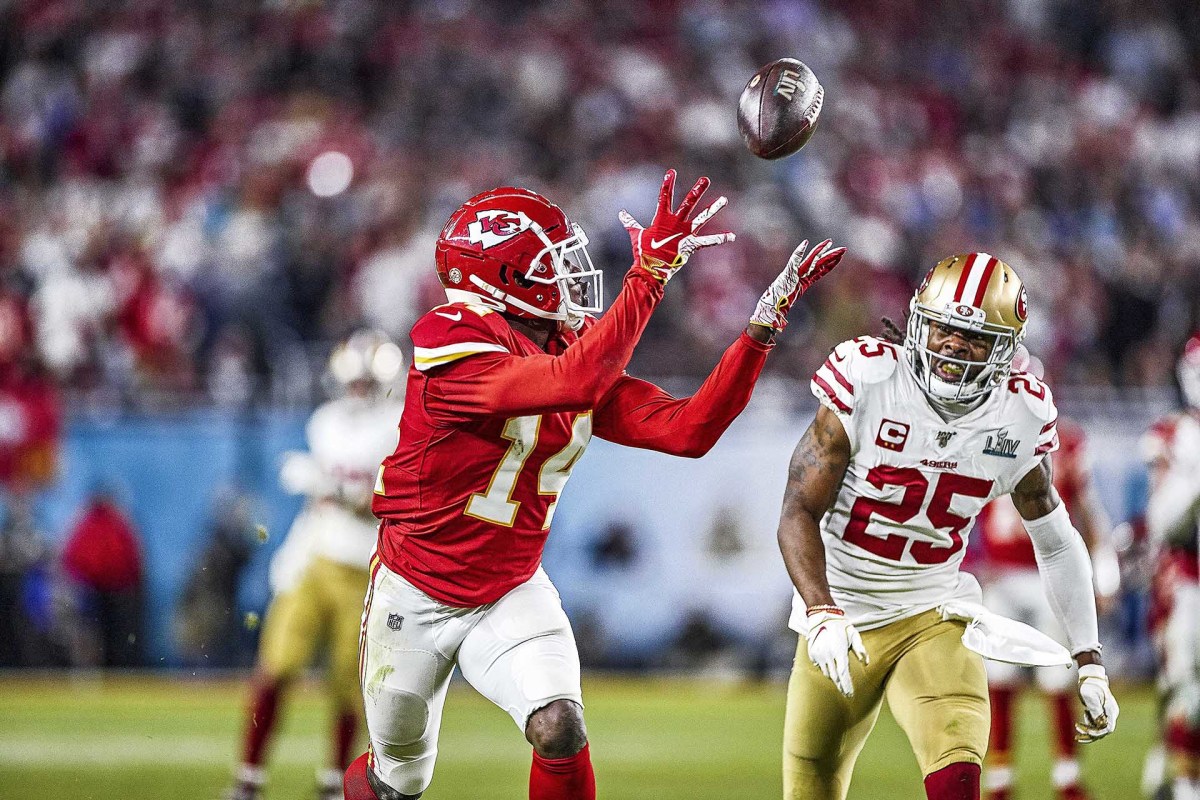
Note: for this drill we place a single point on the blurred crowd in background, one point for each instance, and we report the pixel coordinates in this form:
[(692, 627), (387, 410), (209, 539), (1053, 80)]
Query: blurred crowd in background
[(197, 198)]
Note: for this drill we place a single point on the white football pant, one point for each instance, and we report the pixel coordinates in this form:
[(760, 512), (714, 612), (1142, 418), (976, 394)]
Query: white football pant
[(518, 652)]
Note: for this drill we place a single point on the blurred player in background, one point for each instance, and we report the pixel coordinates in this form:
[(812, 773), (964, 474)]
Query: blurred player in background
[(1172, 449), (510, 379), (1012, 587), (320, 572), (908, 445)]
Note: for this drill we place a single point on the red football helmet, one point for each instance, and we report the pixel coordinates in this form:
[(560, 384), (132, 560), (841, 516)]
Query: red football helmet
[(517, 252), (1188, 371)]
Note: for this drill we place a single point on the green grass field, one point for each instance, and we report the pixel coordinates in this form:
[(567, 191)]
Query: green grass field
[(161, 738)]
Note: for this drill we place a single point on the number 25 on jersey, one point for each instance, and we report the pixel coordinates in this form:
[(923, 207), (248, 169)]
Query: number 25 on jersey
[(892, 546)]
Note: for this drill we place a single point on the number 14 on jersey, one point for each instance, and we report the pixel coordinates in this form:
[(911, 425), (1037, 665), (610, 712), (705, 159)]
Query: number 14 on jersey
[(496, 503)]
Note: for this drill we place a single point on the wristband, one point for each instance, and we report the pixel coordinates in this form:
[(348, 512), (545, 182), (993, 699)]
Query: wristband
[(825, 609)]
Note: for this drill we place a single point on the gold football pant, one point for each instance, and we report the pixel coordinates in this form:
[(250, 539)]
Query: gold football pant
[(935, 687), (325, 607)]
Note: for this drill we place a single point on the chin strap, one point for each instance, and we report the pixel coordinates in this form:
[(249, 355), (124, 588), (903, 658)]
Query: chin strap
[(508, 300)]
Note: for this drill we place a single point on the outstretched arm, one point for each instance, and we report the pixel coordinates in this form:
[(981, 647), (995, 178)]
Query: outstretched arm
[(637, 413), (506, 385)]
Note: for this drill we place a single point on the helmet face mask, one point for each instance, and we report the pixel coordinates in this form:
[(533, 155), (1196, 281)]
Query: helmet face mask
[(936, 370), (513, 250), (983, 299)]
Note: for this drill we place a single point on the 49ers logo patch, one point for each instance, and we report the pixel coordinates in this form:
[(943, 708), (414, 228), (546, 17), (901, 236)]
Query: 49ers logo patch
[(892, 435), (492, 227), (1022, 304)]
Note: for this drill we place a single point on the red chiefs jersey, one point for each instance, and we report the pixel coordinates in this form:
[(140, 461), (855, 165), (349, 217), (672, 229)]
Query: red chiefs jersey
[(493, 425), (1005, 541)]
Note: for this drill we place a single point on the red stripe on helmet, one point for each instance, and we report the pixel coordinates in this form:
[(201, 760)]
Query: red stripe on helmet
[(983, 282), (962, 280)]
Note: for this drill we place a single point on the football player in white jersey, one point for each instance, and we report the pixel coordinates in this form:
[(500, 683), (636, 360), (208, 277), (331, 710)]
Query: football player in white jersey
[(909, 443), (1172, 451), (320, 572)]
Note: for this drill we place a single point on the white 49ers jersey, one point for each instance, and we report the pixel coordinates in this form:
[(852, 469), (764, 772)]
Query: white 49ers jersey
[(897, 532), (347, 439)]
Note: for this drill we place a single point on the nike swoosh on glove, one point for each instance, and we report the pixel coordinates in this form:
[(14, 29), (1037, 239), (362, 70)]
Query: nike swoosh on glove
[(1099, 706), (802, 271), (671, 239), (831, 639)]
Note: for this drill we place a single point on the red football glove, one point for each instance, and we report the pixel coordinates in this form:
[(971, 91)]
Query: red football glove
[(671, 239), (801, 272)]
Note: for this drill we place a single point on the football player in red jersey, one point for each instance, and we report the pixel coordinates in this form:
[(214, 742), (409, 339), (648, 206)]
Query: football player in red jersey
[(509, 381), (1012, 587), (1172, 450)]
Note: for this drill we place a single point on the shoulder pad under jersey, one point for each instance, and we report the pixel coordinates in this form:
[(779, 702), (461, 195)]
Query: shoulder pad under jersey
[(453, 331), (852, 366), (1038, 401)]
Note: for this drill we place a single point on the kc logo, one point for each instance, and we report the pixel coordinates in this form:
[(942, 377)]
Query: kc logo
[(490, 228), (892, 435)]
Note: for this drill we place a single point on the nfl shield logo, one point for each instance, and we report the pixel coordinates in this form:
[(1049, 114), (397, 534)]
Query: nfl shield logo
[(395, 621)]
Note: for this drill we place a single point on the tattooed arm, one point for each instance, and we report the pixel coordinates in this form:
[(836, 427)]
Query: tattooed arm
[(814, 476)]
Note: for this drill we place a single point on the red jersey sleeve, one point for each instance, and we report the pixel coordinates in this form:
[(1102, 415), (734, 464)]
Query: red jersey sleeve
[(639, 414), (494, 382)]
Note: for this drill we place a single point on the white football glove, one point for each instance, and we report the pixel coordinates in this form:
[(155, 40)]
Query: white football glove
[(831, 639), (1099, 706), (801, 272)]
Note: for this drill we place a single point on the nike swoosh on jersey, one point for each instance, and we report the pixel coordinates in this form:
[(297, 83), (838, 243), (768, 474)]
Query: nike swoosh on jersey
[(455, 317), (660, 242)]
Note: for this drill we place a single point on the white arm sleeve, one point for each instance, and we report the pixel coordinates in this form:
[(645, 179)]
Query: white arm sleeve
[(1066, 574)]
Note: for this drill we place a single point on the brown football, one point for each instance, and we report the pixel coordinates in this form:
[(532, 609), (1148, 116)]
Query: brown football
[(778, 109)]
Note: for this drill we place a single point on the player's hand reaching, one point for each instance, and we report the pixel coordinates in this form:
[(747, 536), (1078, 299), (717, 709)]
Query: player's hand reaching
[(671, 239), (831, 639), (803, 269), (1099, 706)]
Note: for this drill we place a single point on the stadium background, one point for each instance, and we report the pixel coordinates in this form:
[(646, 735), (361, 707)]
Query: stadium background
[(198, 199)]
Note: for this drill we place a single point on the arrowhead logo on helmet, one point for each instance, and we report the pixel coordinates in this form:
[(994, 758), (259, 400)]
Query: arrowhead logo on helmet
[(490, 228)]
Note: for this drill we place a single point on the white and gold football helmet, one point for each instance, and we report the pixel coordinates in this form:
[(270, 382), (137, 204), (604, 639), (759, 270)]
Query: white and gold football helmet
[(976, 292), (367, 358)]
